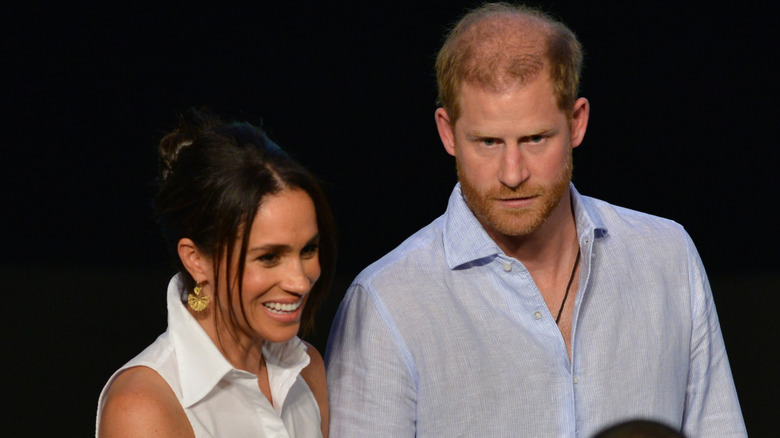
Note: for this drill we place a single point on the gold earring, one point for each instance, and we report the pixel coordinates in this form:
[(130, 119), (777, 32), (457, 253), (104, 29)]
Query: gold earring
[(195, 300)]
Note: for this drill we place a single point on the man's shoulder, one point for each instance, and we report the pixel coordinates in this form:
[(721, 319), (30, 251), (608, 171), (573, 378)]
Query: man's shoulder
[(625, 233), (621, 220), (422, 251)]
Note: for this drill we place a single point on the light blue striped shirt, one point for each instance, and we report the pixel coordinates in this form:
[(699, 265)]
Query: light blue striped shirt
[(448, 336)]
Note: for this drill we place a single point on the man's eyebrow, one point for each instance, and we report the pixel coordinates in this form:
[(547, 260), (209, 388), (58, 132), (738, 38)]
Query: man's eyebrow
[(477, 134)]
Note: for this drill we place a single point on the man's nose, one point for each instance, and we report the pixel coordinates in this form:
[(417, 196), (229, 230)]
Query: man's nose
[(512, 169)]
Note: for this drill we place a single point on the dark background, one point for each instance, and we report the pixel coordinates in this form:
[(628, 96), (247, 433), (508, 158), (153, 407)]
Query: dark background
[(683, 125)]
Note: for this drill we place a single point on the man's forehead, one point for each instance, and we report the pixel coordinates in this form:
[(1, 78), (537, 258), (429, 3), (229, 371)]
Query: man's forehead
[(504, 84)]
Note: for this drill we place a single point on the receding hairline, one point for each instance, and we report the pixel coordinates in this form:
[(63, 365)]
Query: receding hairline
[(512, 45), (500, 46)]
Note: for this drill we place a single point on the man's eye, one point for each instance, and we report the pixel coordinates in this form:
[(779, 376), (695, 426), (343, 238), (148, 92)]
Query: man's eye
[(535, 138), (488, 141)]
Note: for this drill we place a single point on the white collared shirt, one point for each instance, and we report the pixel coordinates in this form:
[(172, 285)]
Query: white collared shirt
[(220, 400)]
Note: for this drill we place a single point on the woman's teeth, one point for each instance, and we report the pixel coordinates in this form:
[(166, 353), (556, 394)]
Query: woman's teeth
[(283, 308)]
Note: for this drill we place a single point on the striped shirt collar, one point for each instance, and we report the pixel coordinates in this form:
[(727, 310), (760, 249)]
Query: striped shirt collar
[(466, 242)]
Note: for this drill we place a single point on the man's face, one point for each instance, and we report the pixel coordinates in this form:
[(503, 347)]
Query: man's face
[(513, 151)]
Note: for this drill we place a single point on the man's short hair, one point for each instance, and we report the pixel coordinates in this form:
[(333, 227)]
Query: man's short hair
[(499, 45)]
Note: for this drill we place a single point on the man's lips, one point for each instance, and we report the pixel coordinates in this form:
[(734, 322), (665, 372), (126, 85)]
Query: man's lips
[(512, 198), (516, 201)]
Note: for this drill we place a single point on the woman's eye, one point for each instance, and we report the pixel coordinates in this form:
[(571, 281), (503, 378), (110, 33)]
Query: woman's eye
[(310, 250), (269, 258)]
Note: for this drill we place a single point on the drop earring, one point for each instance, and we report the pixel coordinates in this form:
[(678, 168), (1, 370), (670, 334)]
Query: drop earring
[(195, 300)]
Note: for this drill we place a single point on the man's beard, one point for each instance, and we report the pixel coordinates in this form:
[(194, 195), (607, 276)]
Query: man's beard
[(515, 222)]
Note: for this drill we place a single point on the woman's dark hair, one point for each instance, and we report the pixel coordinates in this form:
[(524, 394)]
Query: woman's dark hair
[(214, 176)]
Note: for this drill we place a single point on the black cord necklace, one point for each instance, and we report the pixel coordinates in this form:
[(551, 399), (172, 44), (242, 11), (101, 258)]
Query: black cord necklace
[(571, 278)]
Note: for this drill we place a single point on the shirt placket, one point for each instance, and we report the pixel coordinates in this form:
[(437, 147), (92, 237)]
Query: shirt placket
[(266, 417)]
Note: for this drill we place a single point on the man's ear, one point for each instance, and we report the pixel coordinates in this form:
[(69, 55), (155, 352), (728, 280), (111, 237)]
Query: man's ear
[(194, 261), (579, 121), (445, 130)]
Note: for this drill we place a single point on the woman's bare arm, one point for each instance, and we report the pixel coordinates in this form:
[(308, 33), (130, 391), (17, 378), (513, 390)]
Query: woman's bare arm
[(140, 403)]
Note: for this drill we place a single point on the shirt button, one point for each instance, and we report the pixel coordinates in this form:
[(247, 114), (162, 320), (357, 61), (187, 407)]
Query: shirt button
[(507, 266), (576, 380), (537, 315)]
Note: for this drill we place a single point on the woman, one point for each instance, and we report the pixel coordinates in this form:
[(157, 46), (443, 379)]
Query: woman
[(254, 243)]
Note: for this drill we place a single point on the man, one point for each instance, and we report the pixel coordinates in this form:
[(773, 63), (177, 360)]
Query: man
[(527, 309)]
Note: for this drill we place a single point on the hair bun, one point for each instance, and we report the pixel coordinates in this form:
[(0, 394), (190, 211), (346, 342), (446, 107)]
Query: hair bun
[(192, 124), (170, 147)]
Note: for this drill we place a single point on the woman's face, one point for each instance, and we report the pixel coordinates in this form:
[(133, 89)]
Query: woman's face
[(281, 266)]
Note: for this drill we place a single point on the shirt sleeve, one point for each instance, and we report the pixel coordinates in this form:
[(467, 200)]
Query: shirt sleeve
[(712, 407), (371, 388)]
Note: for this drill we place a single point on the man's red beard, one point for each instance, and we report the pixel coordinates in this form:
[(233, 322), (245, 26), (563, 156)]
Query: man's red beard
[(515, 222)]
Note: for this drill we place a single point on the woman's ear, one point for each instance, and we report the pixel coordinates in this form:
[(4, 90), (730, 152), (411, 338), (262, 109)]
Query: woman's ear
[(194, 260)]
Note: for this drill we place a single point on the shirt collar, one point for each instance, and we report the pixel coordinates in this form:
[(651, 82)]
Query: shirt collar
[(589, 222), (200, 363), (467, 242), (202, 366), (284, 361)]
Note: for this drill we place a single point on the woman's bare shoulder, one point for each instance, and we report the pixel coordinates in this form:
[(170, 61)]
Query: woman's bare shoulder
[(139, 403), (314, 375)]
